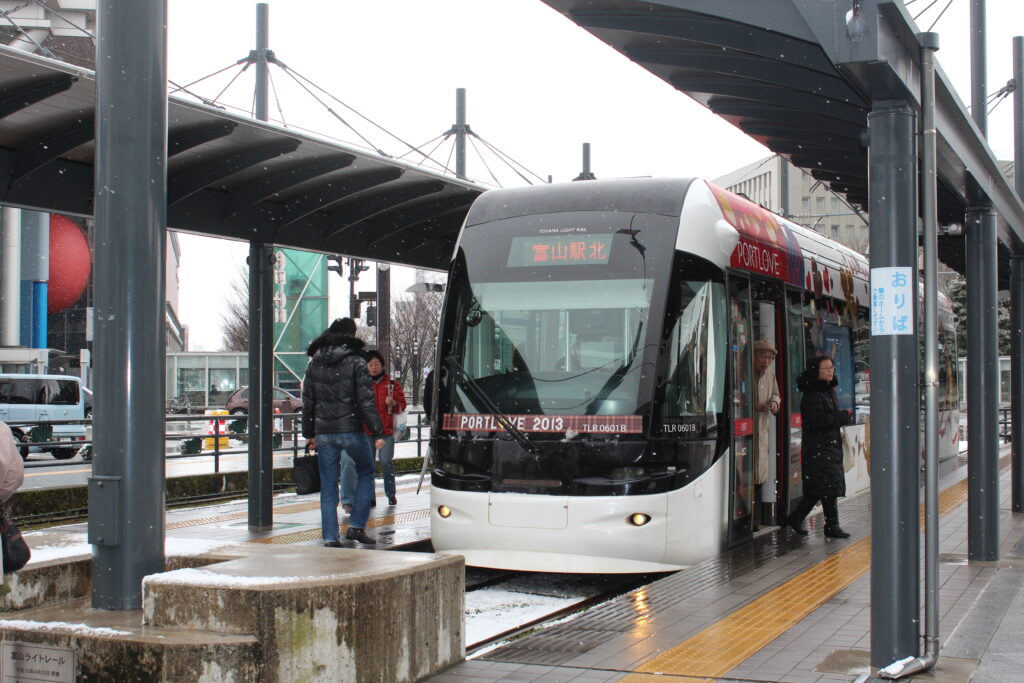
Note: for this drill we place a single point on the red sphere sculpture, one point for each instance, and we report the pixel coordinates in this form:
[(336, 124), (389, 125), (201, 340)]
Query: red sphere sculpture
[(70, 263)]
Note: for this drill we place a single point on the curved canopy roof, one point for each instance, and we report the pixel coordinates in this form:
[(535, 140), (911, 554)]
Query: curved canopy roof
[(227, 175), (785, 73)]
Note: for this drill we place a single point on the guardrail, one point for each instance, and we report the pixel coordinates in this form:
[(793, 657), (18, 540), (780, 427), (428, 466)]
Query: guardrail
[(237, 428)]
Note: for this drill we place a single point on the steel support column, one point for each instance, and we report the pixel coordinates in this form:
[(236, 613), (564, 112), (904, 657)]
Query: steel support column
[(261, 331), (895, 395), (261, 372), (1017, 378), (1017, 288), (982, 387), (126, 491)]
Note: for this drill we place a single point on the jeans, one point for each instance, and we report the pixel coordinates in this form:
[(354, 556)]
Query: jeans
[(387, 466), (330, 448)]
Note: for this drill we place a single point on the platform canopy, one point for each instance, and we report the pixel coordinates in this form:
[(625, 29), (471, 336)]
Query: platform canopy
[(228, 176), (790, 74)]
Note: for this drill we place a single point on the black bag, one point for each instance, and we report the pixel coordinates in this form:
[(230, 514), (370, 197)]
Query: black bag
[(306, 472), (15, 549)]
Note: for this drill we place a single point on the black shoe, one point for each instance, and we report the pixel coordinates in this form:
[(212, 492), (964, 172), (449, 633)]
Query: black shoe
[(359, 536), (836, 532), (796, 525), (392, 500), (333, 544), (373, 503)]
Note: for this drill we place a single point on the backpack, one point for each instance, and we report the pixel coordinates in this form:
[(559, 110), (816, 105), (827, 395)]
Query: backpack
[(12, 467)]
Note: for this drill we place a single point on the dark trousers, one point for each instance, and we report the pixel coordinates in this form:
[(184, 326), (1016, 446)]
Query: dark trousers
[(829, 504)]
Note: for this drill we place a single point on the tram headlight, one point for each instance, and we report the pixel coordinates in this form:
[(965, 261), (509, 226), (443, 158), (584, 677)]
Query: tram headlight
[(639, 519), (444, 511)]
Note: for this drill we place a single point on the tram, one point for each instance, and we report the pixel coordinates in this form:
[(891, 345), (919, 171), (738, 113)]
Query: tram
[(593, 385)]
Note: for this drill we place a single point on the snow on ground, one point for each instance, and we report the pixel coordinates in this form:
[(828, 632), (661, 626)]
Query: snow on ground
[(493, 611), (47, 546), (75, 545)]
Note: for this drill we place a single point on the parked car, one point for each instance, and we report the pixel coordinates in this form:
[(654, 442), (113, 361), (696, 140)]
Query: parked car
[(238, 402), (87, 396), (27, 398)]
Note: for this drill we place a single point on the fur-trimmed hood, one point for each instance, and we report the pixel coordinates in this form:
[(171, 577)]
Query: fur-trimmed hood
[(330, 348)]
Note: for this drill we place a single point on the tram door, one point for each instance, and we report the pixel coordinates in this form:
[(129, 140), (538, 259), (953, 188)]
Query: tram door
[(793, 361), (766, 304), (740, 361)]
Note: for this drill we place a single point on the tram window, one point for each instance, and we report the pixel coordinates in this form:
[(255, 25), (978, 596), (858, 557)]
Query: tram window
[(838, 346), (558, 347), (696, 378)]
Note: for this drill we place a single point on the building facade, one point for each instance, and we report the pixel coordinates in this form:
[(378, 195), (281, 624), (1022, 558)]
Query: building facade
[(793, 193)]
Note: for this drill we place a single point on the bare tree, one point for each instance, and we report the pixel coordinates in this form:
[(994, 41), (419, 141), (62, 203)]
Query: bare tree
[(414, 325), (234, 322)]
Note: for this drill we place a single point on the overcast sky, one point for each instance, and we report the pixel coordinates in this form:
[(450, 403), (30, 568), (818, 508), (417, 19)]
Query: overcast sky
[(537, 86)]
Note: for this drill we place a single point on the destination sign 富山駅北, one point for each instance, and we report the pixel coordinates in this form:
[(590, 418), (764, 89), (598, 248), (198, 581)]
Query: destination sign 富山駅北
[(559, 250)]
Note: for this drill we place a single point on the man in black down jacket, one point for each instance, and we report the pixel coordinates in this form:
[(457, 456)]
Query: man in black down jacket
[(337, 398)]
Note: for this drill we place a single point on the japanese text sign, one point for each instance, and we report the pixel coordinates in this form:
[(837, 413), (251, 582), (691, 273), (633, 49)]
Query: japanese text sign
[(892, 301), (559, 250), (31, 662)]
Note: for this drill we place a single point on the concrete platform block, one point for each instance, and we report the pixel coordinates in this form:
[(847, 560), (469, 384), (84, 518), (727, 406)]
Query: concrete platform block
[(324, 613), (114, 646), (48, 582)]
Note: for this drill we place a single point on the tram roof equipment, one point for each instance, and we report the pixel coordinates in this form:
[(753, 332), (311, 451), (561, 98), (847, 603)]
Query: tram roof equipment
[(228, 175), (788, 73)]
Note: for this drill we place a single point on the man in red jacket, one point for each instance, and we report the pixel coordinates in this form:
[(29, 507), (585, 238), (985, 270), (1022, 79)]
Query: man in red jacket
[(390, 401)]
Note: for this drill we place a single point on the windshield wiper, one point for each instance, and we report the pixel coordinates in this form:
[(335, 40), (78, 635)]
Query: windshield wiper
[(481, 396)]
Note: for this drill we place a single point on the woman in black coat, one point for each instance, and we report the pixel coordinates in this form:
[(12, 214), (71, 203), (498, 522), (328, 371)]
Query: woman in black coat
[(823, 475)]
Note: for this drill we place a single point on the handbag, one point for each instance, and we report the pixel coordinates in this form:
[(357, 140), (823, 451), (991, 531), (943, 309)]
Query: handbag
[(399, 428), (306, 473), (15, 549)]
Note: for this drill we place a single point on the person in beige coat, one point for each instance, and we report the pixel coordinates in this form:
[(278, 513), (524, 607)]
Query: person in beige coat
[(766, 407)]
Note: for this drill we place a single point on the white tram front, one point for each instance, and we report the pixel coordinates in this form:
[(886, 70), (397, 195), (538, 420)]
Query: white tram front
[(593, 408)]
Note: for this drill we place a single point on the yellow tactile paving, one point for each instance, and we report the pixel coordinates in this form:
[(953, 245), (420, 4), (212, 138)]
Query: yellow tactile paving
[(724, 645)]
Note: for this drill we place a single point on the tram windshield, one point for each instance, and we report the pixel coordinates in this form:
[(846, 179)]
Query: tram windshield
[(557, 347)]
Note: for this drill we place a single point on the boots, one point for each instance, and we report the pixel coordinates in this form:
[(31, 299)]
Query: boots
[(796, 520), (832, 528)]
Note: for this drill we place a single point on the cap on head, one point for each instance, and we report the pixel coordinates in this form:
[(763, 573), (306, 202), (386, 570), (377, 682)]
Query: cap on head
[(765, 345)]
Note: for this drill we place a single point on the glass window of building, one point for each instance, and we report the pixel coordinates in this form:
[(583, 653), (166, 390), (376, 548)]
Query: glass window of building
[(191, 379), (820, 204), (223, 374)]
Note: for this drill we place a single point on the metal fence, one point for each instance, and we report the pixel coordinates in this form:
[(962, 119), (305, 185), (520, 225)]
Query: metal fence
[(38, 436)]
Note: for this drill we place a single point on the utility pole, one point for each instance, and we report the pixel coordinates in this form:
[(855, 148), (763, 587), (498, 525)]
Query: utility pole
[(460, 133), (586, 173), (384, 314)]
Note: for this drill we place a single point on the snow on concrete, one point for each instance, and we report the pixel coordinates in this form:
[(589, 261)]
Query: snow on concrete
[(59, 626), (493, 611), (175, 545), (205, 577)]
